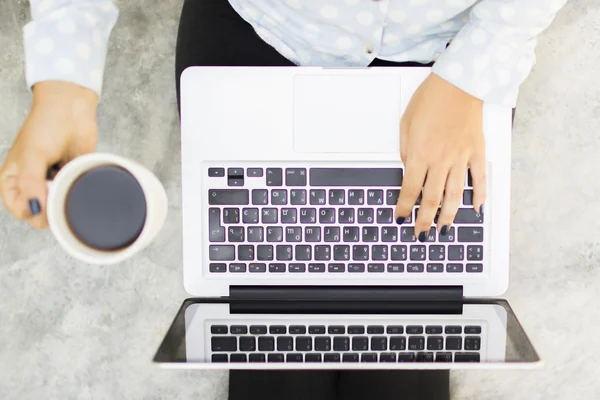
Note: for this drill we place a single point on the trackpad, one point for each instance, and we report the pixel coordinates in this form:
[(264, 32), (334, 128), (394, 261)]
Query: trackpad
[(346, 114)]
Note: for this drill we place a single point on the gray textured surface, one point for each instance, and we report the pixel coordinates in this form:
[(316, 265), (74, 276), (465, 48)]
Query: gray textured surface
[(71, 331)]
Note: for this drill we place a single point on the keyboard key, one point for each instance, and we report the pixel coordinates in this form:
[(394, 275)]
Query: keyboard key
[(453, 343), (435, 267), (375, 329), (316, 267), (277, 330), (285, 343), (375, 197), (341, 253), (449, 237), (231, 215), (387, 357), (370, 234), (437, 253), (389, 234), (266, 343), (379, 253), (235, 234), (237, 267), (466, 357), (323, 343), (391, 197), (312, 234), (289, 216), (368, 357), (283, 253), (322, 252), (250, 215), (235, 181), (453, 330), (356, 197), (297, 330), (260, 197), (365, 215), (337, 197), (259, 358), (331, 234), (407, 234), (350, 234), (296, 267), (331, 357), (376, 268), (339, 177), (406, 357), (216, 172), (279, 197), (247, 343), (275, 357), (317, 197), (257, 267), (316, 330), (219, 329), (468, 216), (219, 358), (435, 343), (303, 252), (254, 172), (359, 343), (456, 253), (304, 344), (293, 358), (395, 268), (258, 329), (360, 253), (414, 329), (232, 197), (424, 357), (255, 234), (472, 343), (443, 357), (472, 330), (308, 216), (395, 330), (222, 253), (223, 343), (298, 197), (355, 267), (354, 330), (216, 231), (217, 267), (418, 253), (474, 253), (336, 330), (275, 234), (399, 252), (293, 234), (341, 343), (346, 215), (350, 357), (474, 267), (433, 329), (276, 267), (453, 268), (416, 343), (415, 268), (333, 268), (295, 177), (269, 215), (379, 343), (468, 197), (469, 178), (327, 216), (312, 357), (472, 235), (274, 177), (397, 343)]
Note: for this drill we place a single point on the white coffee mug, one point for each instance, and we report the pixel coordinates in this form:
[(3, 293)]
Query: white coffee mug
[(58, 189)]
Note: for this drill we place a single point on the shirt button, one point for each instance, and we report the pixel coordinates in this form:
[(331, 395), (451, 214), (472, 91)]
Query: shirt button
[(369, 49)]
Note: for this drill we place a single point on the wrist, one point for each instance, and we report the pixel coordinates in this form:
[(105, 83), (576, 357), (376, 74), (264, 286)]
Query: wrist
[(65, 96)]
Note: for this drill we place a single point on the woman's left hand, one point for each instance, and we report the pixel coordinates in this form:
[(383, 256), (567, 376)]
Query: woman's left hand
[(441, 134)]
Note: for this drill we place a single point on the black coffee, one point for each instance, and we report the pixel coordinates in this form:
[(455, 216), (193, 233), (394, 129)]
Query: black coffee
[(106, 208)]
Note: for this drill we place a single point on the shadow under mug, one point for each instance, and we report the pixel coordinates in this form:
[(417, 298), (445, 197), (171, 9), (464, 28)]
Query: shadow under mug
[(59, 190)]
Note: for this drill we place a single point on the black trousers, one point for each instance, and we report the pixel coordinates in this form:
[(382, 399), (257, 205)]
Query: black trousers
[(211, 33)]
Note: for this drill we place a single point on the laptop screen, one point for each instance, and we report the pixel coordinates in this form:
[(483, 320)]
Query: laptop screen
[(476, 334)]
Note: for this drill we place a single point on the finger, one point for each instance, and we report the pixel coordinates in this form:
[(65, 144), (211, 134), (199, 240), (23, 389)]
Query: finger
[(430, 203), (9, 191), (452, 198), (411, 189), (32, 186), (479, 177), (403, 137)]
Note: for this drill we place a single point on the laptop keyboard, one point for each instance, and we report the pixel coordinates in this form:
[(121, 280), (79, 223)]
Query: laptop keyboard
[(329, 221), (345, 343)]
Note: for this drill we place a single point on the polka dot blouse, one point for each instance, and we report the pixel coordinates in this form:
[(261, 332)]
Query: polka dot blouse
[(490, 52)]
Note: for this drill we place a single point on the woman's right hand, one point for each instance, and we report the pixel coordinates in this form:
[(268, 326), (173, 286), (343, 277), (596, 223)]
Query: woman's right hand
[(61, 126)]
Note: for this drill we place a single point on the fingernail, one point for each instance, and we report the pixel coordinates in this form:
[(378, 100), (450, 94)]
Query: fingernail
[(400, 220), (422, 237), (34, 206), (444, 230), (481, 209)]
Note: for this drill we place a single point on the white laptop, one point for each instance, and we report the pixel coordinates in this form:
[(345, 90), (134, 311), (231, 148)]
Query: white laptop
[(291, 253)]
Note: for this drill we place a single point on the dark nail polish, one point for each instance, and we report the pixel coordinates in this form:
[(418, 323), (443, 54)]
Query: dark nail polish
[(400, 220), (422, 237), (481, 209), (34, 206), (444, 230)]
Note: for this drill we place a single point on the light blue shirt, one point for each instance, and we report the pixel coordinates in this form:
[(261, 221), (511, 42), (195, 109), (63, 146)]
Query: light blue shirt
[(491, 51)]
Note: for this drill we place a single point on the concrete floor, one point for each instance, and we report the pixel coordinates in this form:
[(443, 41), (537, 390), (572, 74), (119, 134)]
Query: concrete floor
[(71, 331)]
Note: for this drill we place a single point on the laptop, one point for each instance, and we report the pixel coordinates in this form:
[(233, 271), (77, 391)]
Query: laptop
[(292, 258)]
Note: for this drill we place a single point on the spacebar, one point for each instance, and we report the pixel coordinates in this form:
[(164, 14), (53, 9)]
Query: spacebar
[(356, 176)]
